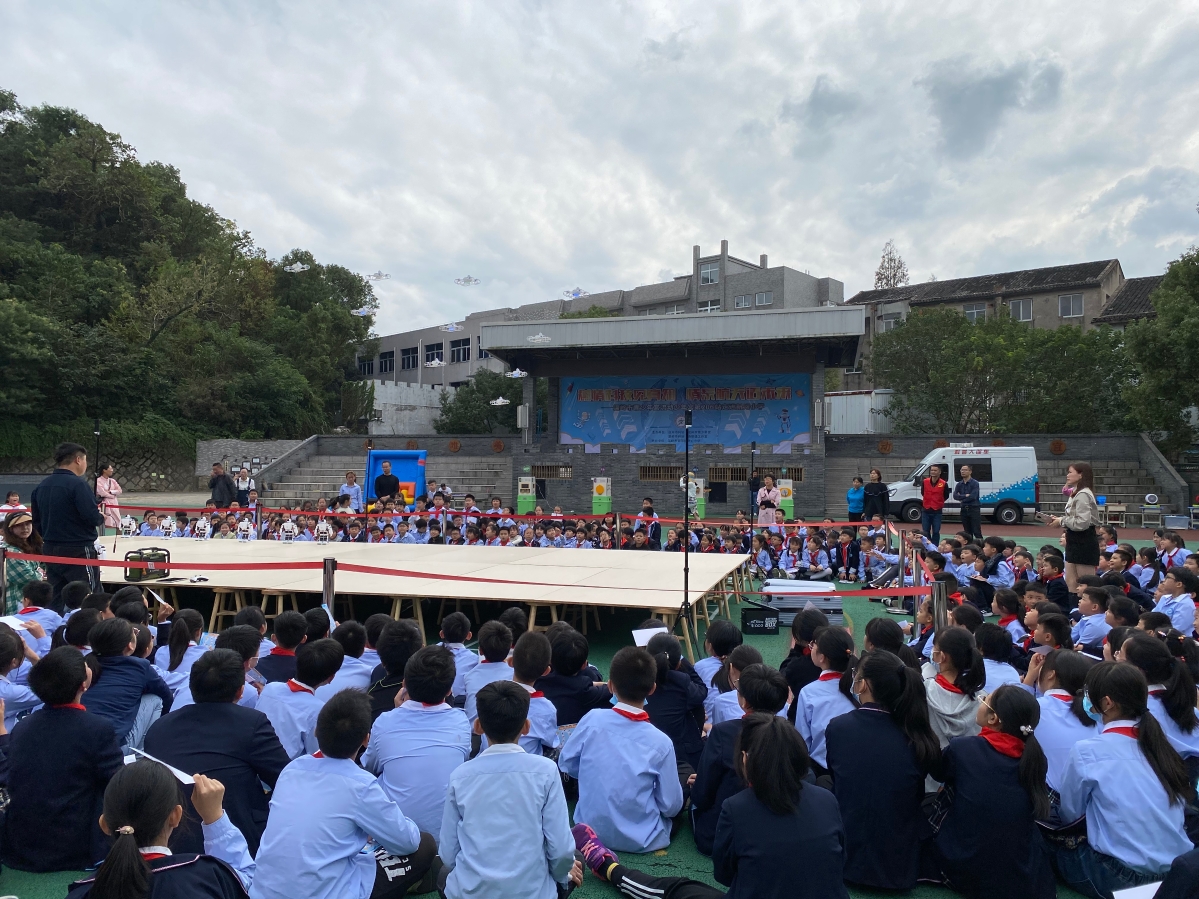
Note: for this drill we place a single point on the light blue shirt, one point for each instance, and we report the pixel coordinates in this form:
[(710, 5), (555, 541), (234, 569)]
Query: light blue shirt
[(1015, 628), (370, 657), (821, 559), (224, 841), (354, 674), (464, 661), (479, 677), (819, 703), (1181, 609), (19, 700), (628, 779), (249, 698), (998, 674), (322, 813), (1186, 745), (354, 492), (1093, 628), (1129, 815), (505, 829), (1004, 576), (293, 716), (177, 679), (414, 749), (726, 708), (50, 622), (1057, 732), (543, 725), (706, 668)]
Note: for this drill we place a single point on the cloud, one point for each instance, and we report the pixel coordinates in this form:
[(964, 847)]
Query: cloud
[(817, 114)]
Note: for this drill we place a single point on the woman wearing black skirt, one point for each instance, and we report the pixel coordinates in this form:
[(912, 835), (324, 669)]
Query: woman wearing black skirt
[(877, 499), (1080, 520)]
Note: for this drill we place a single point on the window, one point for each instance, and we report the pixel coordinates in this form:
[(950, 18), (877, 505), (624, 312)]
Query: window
[(888, 322), (408, 359), (742, 302), (647, 312), (975, 312), (483, 354), (764, 299), (366, 366), (1070, 305), (387, 362), (433, 352), (709, 273), (660, 472), (708, 306), (553, 472), (728, 473), (460, 350), (676, 309), (1021, 310), (980, 469)]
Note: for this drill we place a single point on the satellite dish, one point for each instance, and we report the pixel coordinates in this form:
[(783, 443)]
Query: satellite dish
[(515, 373), (1151, 499), (501, 402), (296, 267)]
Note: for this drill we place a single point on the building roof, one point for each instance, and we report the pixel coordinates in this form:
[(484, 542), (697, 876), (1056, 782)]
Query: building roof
[(1131, 302), (1035, 280), (648, 294)]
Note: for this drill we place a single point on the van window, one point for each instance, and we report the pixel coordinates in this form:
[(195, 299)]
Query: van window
[(918, 472), (980, 469)]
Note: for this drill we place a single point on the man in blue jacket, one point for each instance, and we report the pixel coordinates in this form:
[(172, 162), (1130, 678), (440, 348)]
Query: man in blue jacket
[(966, 493), (65, 513)]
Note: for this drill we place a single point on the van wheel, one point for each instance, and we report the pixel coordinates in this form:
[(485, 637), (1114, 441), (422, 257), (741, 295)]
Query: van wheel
[(1008, 513), (910, 512)]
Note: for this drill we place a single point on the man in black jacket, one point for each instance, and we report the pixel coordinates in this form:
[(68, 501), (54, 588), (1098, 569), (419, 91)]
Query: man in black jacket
[(224, 491), (966, 493), (387, 485), (65, 513)]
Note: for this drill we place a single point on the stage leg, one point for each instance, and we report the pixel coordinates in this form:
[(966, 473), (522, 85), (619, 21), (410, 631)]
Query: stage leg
[(687, 645)]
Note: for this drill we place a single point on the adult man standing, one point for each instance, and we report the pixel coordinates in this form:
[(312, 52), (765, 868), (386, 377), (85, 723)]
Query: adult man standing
[(65, 514), (755, 484), (934, 492), (224, 491), (966, 493), (387, 485)]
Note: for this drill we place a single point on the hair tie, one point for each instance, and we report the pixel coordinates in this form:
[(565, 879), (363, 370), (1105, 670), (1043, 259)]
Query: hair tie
[(1026, 729), (125, 831)]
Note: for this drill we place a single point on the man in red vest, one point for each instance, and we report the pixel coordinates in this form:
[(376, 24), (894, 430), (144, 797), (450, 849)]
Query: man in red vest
[(934, 492)]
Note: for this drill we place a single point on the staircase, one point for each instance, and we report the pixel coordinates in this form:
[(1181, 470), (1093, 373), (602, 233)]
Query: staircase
[(316, 476), (481, 476), (1122, 483)]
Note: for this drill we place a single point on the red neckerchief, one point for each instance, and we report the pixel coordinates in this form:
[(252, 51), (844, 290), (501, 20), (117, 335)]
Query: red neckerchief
[(536, 694), (29, 609), (814, 557), (1127, 588), (1054, 578), (1160, 692), (633, 716), (70, 705), (279, 651), (296, 687), (952, 688), (830, 675), (1004, 744), (151, 856), (956, 597), (318, 755), (1006, 620), (1133, 732), (1060, 695)]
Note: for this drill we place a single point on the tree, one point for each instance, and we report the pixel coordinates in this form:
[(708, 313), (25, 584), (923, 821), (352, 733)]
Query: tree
[(469, 410), (892, 270), (1165, 350), (592, 311)]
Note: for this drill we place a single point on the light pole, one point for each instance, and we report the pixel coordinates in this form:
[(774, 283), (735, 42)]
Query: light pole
[(686, 610)]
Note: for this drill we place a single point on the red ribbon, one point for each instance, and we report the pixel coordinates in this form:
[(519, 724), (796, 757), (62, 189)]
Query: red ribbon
[(1133, 732), (296, 687)]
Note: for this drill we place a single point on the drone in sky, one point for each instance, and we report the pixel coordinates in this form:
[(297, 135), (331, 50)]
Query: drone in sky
[(539, 338), (515, 373), (501, 402), (453, 326), (379, 276), (575, 294), (467, 281), (363, 312), (296, 267)]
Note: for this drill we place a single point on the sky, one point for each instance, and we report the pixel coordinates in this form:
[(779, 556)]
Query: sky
[(541, 147)]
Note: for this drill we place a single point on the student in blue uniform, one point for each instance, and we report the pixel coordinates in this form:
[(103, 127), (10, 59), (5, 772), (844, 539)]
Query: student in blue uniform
[(829, 695), (279, 664), (1171, 692), (781, 839), (1007, 606), (1058, 678), (495, 643), (676, 707), (355, 671), (568, 686), (629, 786), (18, 699), (878, 758), (455, 632), (533, 855), (416, 746), (886, 634), (1131, 786), (797, 667), (323, 811), (988, 844), (1088, 634), (35, 597), (293, 707), (125, 689), (721, 638), (995, 645), (142, 809), (175, 660), (531, 661), (1179, 588), (759, 689), (727, 707)]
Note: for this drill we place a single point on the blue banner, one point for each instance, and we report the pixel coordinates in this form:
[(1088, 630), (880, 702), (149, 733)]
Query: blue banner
[(729, 410)]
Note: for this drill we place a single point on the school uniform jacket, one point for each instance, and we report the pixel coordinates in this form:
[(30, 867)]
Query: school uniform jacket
[(60, 760), (800, 670), (950, 713), (989, 846), (817, 704), (1056, 591), (672, 709), (479, 677), (845, 556), (354, 674), (179, 677), (229, 743), (879, 787), (292, 709), (118, 692), (715, 781), (1059, 729), (464, 661), (573, 697), (278, 665)]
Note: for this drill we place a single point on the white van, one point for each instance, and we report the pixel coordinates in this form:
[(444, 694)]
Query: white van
[(1008, 486)]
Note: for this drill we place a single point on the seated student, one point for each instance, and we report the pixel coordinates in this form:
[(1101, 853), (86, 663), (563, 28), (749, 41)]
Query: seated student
[(1171, 691), (988, 844), (533, 854), (417, 745), (293, 706), (759, 689), (676, 707), (721, 638), (495, 643), (1122, 612), (374, 627), (726, 707), (243, 640), (354, 673), (568, 687), (251, 616), (77, 628), (1052, 631), (317, 625), (175, 660), (797, 667), (1007, 606), (142, 809), (125, 688), (324, 810), (1131, 786), (220, 738), (279, 664), (1154, 622), (996, 647), (455, 632), (628, 778), (1059, 677), (1052, 575), (885, 633), (878, 758), (18, 698), (35, 598), (966, 613), (530, 662), (1088, 634), (74, 594), (951, 681), (398, 642), (815, 563), (1176, 598), (829, 695), (766, 834), (516, 621), (921, 641), (59, 760)]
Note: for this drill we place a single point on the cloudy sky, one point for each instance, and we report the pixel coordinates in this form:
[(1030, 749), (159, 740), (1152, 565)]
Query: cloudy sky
[(541, 146)]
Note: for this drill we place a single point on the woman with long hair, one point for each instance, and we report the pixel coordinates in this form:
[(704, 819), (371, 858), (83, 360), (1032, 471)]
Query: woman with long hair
[(1080, 521), (769, 498), (877, 497), (107, 493), (20, 536)]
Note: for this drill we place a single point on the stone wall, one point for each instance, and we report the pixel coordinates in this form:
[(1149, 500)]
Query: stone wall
[(136, 472), (407, 408), (232, 453)]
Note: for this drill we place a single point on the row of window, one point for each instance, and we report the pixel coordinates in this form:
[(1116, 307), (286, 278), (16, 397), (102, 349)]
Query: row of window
[(1068, 306), (747, 301), (410, 356)]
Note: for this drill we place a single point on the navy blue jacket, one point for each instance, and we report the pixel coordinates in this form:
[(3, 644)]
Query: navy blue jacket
[(672, 707), (181, 877), (1057, 591), (60, 760), (117, 692), (761, 855), (64, 509), (573, 697), (277, 667), (1182, 882), (229, 743), (715, 781), (848, 556), (966, 492), (988, 846), (800, 670), (879, 787)]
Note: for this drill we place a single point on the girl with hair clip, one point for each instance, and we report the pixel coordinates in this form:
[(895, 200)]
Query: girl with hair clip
[(676, 707), (1131, 786), (988, 845), (951, 680), (175, 660), (829, 695), (878, 757), (886, 634), (726, 707), (143, 806), (1171, 692)]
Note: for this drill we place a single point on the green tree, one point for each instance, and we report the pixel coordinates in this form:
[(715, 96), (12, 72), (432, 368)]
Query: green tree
[(469, 409), (592, 311)]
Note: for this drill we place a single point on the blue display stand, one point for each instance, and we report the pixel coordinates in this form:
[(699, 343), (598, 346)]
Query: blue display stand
[(407, 465)]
